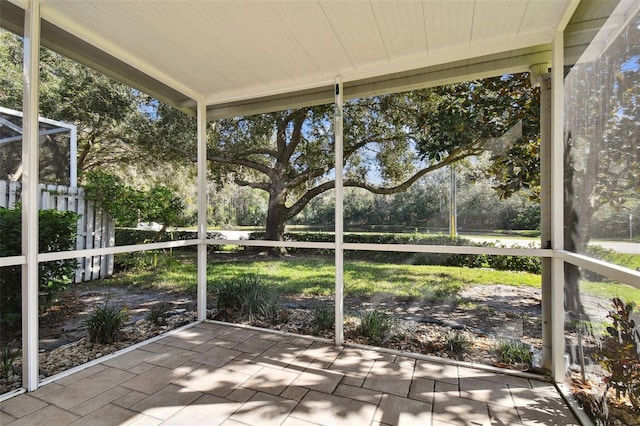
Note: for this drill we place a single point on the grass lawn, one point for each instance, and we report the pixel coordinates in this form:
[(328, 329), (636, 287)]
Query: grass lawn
[(316, 275)]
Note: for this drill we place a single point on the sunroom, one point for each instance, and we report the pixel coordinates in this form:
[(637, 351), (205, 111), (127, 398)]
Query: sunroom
[(222, 60)]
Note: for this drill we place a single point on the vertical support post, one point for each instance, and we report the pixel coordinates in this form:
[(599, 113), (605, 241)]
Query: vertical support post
[(453, 204), (541, 78), (202, 211), (557, 208), (339, 227), (73, 157), (31, 78)]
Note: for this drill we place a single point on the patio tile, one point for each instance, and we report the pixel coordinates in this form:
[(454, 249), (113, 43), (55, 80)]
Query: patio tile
[(541, 416), (394, 410), (353, 380), (216, 381), (106, 416), (87, 388), (446, 389), (82, 374), (242, 366), (153, 380), (270, 380), (5, 418), (49, 415), (360, 394), (207, 410), (166, 402), (318, 350), (440, 372), (503, 415), (141, 368), (390, 378), (281, 354), (486, 391), (130, 398), (99, 401), (130, 359), (142, 420), (422, 390), (320, 380), (457, 410), (173, 357), (292, 421), (21, 405), (325, 409), (43, 390), (254, 346), (513, 381), (352, 365), (236, 334), (264, 410), (294, 392), (241, 395), (216, 357)]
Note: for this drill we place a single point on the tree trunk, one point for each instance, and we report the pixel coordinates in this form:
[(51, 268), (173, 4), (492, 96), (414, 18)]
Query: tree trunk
[(276, 220)]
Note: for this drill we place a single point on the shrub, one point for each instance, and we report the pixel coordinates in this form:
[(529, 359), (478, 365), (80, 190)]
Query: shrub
[(510, 263), (105, 323), (375, 325), (620, 354), (156, 314), (8, 356), (323, 317), (457, 341), (57, 232), (247, 297), (514, 352)]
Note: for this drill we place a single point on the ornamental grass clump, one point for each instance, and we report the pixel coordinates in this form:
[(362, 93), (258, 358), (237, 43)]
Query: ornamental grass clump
[(513, 352), (376, 326), (105, 323)]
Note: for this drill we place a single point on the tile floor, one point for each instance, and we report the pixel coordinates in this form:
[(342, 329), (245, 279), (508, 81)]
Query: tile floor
[(214, 374)]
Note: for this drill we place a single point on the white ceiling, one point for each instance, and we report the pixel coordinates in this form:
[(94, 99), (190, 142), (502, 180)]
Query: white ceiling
[(232, 52)]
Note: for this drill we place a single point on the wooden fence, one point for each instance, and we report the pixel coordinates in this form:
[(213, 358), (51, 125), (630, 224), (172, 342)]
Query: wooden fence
[(95, 228)]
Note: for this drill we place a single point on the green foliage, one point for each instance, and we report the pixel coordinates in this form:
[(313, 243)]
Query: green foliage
[(375, 326), (105, 323), (156, 314), (514, 352), (57, 232), (323, 317), (620, 353), (128, 206), (247, 297), (8, 356), (457, 342), (506, 263)]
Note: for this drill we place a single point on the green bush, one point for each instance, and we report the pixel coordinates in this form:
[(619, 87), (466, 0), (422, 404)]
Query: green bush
[(375, 325), (105, 323), (130, 236), (507, 263), (514, 352), (8, 356), (247, 297), (323, 317), (457, 342), (620, 353), (57, 232)]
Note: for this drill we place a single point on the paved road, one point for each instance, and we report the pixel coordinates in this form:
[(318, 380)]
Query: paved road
[(619, 246)]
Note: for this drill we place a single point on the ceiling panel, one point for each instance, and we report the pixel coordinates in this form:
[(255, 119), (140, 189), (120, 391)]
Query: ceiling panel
[(230, 52)]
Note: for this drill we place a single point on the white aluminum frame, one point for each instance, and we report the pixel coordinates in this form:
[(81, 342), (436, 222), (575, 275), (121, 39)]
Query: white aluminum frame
[(30, 257), (62, 127)]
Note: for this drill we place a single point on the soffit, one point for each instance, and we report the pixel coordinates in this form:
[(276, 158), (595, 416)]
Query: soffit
[(243, 57)]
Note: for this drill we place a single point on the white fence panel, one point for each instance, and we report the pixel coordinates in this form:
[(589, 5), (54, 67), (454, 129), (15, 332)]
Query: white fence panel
[(95, 229)]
